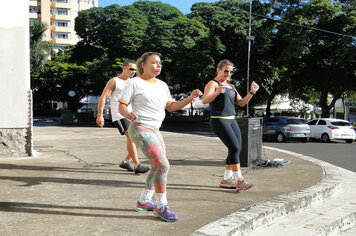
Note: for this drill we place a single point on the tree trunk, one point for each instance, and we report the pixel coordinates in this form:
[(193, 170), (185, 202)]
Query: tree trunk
[(268, 108)]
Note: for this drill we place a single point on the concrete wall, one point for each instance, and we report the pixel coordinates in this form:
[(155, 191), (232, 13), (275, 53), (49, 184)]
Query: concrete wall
[(15, 93)]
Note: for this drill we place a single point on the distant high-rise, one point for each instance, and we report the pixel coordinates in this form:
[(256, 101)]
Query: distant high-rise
[(58, 16)]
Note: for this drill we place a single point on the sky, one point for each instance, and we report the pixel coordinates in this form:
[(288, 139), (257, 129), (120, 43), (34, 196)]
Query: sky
[(182, 5)]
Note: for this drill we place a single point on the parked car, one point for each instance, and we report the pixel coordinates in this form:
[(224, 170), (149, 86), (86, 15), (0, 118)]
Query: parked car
[(107, 112), (284, 128), (328, 129)]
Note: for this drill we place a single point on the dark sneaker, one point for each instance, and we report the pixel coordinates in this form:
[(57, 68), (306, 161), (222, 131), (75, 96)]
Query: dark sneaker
[(141, 169), (242, 185), (128, 166), (229, 183), (165, 214), (148, 206)]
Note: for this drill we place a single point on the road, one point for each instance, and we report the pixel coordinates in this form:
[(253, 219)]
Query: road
[(338, 153)]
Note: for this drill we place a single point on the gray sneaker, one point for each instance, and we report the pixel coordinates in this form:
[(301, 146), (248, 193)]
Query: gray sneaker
[(128, 166), (141, 169)]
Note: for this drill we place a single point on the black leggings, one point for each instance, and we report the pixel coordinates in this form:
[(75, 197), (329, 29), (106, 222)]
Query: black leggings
[(229, 133)]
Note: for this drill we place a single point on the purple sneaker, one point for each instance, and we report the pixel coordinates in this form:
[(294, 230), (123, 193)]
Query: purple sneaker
[(148, 206), (165, 214)]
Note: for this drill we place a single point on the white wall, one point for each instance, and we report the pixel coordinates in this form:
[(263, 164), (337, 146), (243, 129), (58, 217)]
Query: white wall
[(14, 64)]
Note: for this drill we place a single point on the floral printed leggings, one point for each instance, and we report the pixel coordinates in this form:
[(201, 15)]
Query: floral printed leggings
[(152, 145)]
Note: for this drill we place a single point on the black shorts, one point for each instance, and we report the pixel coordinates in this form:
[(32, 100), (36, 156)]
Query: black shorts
[(122, 125)]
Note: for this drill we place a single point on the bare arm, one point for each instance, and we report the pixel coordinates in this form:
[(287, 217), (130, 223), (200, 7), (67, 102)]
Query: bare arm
[(211, 91), (131, 116), (109, 88), (174, 106), (243, 101)]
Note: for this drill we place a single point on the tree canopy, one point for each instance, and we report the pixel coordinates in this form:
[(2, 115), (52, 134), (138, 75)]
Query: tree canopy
[(289, 55)]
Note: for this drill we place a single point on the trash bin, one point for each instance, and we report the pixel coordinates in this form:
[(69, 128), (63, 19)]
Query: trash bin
[(251, 131)]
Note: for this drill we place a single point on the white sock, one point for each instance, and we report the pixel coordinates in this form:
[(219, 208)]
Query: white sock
[(227, 174), (237, 175), (146, 195), (161, 199)]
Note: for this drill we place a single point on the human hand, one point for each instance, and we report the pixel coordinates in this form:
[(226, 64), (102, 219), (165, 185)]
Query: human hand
[(254, 87), (100, 121), (196, 93), (132, 116)]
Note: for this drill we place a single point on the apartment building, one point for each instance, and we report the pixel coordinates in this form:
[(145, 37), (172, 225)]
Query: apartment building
[(59, 16)]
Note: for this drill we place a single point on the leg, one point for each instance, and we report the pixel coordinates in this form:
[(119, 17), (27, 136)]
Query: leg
[(229, 133), (122, 126), (152, 145), (131, 150)]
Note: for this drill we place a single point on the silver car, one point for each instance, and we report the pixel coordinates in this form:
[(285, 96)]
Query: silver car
[(284, 128)]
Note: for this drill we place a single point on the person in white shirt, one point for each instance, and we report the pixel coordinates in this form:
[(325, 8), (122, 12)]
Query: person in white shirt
[(149, 98), (113, 89)]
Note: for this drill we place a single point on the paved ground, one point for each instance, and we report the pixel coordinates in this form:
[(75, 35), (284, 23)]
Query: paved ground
[(73, 185)]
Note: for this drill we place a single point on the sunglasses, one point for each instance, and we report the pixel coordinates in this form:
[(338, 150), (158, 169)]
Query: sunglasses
[(130, 68), (229, 71)]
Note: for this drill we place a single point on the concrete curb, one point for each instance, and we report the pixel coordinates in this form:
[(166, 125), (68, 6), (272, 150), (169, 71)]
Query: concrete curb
[(265, 213)]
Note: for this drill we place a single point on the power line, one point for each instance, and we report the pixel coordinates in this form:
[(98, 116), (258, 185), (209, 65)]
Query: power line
[(291, 23)]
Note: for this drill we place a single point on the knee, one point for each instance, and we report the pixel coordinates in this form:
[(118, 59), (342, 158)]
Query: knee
[(163, 167), (234, 148)]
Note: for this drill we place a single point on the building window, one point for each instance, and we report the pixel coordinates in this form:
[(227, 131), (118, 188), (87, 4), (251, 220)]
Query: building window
[(63, 24), (62, 12), (63, 1), (62, 36), (34, 10)]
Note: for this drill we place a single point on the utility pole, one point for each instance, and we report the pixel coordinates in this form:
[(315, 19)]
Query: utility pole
[(249, 38)]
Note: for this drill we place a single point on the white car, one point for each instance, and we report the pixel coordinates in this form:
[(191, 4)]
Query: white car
[(328, 129)]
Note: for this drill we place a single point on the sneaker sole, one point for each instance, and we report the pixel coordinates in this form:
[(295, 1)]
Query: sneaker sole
[(164, 219), (226, 186), (126, 169), (142, 209), (242, 189), (141, 172)]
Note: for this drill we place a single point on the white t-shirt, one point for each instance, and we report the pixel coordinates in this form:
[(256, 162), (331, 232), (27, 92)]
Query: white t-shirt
[(148, 100), (114, 104)]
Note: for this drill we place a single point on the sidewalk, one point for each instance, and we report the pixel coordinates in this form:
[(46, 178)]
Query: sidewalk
[(73, 185)]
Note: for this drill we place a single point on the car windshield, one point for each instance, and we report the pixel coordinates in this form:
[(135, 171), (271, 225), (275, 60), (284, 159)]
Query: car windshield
[(340, 123), (295, 121)]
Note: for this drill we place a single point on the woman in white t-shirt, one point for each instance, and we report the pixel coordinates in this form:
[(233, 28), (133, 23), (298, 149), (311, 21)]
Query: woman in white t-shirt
[(149, 98)]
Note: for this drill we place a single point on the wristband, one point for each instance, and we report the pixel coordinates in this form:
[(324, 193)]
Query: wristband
[(252, 93)]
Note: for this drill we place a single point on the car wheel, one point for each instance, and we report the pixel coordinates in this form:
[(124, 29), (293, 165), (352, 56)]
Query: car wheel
[(281, 138), (325, 138), (349, 140)]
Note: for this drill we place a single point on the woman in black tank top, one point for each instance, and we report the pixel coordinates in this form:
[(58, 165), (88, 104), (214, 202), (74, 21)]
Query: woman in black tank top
[(222, 97)]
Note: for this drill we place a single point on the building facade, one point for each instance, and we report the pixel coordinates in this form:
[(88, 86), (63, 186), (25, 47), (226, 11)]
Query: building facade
[(59, 16), (15, 92), (346, 109)]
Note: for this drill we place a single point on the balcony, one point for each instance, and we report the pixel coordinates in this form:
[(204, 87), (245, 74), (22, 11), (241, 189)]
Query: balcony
[(62, 29), (63, 41), (33, 15), (33, 3), (62, 17), (62, 5)]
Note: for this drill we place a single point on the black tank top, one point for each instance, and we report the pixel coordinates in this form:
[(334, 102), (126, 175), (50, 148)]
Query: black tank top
[(224, 103)]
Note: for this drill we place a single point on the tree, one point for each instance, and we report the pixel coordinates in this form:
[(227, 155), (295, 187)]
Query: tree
[(127, 32), (56, 78), (229, 21), (320, 63), (39, 50)]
